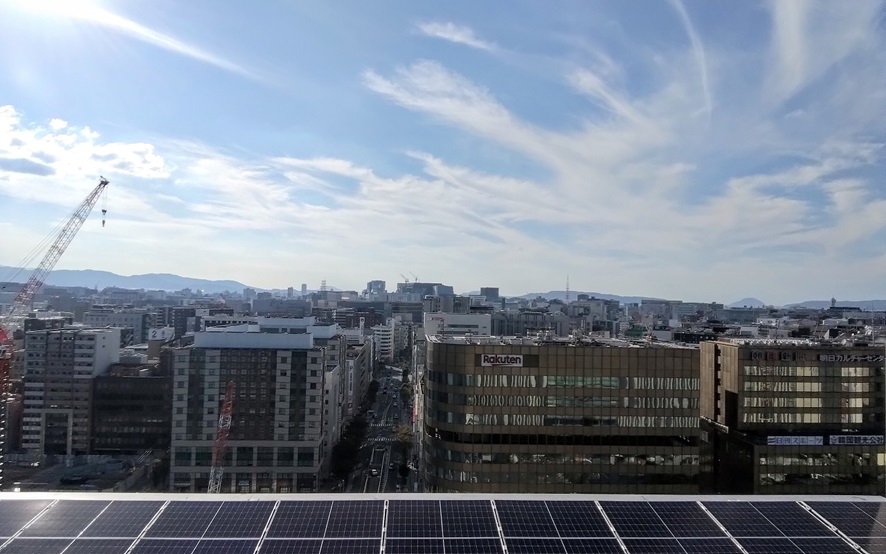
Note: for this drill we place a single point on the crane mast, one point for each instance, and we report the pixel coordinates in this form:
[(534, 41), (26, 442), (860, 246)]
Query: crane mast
[(12, 319), (221, 441)]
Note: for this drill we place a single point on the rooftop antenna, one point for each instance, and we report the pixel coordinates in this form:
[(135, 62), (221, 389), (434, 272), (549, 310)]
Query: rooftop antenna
[(567, 288)]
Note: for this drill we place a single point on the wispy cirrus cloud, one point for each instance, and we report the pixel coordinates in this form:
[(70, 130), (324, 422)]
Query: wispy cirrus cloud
[(97, 15), (698, 51), (459, 34)]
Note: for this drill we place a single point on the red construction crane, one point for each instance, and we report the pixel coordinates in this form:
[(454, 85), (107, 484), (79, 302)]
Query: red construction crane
[(11, 321), (221, 441)]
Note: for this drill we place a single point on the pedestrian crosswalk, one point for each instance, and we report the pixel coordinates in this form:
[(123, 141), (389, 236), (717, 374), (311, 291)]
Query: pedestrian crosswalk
[(382, 439), (380, 425)]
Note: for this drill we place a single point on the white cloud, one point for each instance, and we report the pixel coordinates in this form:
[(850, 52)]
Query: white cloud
[(57, 124), (458, 34)]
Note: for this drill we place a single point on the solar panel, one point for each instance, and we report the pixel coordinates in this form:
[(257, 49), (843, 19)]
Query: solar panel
[(535, 546), (792, 520), (99, 546), (414, 518), (36, 546), (65, 518), (525, 518), (742, 520), (823, 545), (849, 519), (468, 518), (184, 519), (414, 546), (226, 546), (653, 546), (635, 519), (351, 546), (579, 519), (686, 519), (291, 546), (300, 519), (874, 545), (769, 546), (123, 519), (161, 546), (472, 546), (359, 518), (592, 546), (14, 514), (240, 519), (708, 545)]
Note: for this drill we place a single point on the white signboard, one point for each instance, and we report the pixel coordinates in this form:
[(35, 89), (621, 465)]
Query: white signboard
[(507, 360), (161, 333), (795, 441), (857, 440)]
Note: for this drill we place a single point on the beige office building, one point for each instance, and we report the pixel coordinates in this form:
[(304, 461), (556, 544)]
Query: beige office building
[(560, 416)]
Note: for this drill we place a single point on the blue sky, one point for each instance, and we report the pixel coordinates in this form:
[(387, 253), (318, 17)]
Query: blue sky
[(695, 150)]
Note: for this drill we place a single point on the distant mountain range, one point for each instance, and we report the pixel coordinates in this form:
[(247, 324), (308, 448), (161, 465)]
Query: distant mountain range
[(148, 281), (866, 305), (573, 294), (747, 303)]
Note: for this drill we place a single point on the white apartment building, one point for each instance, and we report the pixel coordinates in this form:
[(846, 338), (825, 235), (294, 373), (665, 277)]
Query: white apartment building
[(58, 372), (457, 324), (383, 336), (139, 320), (282, 425)]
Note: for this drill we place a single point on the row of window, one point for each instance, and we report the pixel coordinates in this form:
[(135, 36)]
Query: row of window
[(804, 402), (567, 478), (817, 479), (813, 371), (790, 417), (823, 459), (565, 381), (572, 459), (551, 401), (795, 386), (542, 420)]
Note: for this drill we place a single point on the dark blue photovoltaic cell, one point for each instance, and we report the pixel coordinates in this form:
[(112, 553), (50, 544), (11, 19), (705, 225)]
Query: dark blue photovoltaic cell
[(36, 546), (14, 514), (468, 518), (653, 546), (65, 518), (592, 546), (160, 546), (686, 519), (875, 545), (184, 519), (525, 518), (99, 546), (414, 546), (579, 519), (535, 546), (847, 518), (876, 510), (769, 546), (351, 546), (290, 547), (792, 520), (123, 519), (708, 546), (472, 546), (226, 546), (742, 520), (240, 520), (823, 545), (355, 519), (635, 519), (414, 518), (299, 520)]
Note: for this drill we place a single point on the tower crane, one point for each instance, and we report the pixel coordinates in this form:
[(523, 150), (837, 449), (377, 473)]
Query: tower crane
[(12, 319), (221, 441)]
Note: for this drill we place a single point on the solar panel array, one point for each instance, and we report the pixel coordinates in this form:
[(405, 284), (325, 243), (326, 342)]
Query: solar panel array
[(446, 526)]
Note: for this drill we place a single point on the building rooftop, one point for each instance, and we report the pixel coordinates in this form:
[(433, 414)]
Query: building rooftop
[(549, 340), (103, 523)]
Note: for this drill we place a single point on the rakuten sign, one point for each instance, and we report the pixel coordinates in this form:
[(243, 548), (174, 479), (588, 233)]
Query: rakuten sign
[(508, 360)]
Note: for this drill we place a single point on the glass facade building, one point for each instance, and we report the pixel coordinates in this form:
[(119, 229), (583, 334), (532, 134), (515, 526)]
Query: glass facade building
[(560, 416), (792, 418)]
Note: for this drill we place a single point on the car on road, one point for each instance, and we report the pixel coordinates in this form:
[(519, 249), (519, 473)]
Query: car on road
[(373, 472), (392, 466)]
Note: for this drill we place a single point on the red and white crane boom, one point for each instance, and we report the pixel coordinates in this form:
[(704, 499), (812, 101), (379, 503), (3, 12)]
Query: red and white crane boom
[(221, 441)]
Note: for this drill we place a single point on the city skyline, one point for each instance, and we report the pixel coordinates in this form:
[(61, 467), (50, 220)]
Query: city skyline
[(675, 150)]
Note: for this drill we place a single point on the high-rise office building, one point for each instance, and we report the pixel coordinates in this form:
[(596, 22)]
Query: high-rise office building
[(797, 417), (560, 416), (60, 365), (281, 432)]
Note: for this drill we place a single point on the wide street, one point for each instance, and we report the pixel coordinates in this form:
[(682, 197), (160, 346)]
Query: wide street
[(378, 466)]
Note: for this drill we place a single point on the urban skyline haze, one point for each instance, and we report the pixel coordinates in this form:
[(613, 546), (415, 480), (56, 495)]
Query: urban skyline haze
[(670, 149)]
